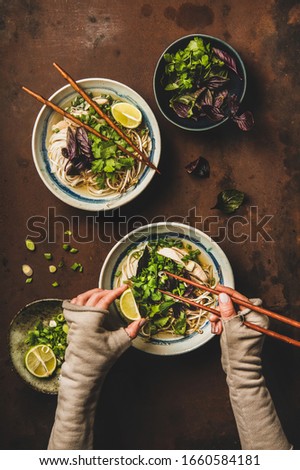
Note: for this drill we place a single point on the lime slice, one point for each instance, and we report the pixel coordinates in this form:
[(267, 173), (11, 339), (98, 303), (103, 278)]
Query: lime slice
[(40, 361), (128, 306), (127, 114)]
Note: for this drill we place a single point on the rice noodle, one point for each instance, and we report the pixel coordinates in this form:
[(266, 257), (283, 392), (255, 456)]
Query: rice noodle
[(195, 319), (87, 180)]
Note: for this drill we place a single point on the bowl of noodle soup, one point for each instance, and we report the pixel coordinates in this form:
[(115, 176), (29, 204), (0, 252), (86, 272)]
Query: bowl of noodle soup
[(141, 258), (106, 178)]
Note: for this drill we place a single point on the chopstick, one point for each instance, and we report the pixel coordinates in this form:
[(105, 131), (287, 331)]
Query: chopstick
[(104, 116), (271, 333), (238, 301), (74, 119), (242, 302)]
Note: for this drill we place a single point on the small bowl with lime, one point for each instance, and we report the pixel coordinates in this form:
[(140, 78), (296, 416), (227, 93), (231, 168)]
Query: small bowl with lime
[(37, 342)]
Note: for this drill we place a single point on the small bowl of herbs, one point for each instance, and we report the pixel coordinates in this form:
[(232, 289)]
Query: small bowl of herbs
[(199, 83), (37, 344)]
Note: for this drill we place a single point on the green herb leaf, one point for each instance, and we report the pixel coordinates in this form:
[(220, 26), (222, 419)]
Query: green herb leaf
[(180, 325), (161, 322), (229, 201)]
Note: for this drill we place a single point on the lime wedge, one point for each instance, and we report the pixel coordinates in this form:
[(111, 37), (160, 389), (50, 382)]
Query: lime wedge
[(40, 361), (128, 306), (126, 114)]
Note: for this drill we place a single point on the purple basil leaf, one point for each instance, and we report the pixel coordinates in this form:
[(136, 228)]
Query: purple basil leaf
[(245, 121), (71, 144), (65, 153), (207, 98), (199, 167), (233, 104), (198, 92), (181, 109), (227, 59), (216, 82), (220, 97), (71, 170), (213, 113), (83, 143)]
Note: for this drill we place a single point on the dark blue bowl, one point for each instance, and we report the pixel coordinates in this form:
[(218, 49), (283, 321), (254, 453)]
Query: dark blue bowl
[(236, 85)]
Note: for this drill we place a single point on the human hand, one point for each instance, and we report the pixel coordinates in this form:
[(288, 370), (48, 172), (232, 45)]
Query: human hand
[(241, 347), (103, 298), (92, 350), (225, 307)]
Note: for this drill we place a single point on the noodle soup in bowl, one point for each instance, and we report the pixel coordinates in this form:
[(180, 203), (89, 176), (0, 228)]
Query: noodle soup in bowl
[(83, 185), (141, 259)]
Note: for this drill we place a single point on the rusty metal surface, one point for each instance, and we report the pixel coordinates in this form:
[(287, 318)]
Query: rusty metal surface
[(151, 402)]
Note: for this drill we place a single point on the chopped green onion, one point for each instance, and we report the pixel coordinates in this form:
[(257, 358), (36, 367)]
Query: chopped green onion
[(68, 232), (28, 280), (29, 244), (73, 250), (55, 284), (52, 269), (48, 256), (66, 246), (60, 264), (77, 266)]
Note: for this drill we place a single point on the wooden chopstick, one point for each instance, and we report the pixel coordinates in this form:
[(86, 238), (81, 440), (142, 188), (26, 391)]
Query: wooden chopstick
[(238, 301), (74, 119), (271, 333), (97, 108)]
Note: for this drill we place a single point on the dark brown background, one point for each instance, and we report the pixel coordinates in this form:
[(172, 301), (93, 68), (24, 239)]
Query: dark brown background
[(153, 402)]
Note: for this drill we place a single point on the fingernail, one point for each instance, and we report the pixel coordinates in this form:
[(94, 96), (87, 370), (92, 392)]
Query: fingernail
[(224, 298)]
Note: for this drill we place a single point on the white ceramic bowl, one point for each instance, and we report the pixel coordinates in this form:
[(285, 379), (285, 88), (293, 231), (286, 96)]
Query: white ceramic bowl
[(42, 129), (208, 247)]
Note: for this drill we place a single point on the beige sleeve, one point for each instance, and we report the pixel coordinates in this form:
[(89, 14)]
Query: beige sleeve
[(90, 353), (256, 418)]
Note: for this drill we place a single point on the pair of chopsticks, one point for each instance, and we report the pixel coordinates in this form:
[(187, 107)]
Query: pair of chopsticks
[(141, 156), (238, 301)]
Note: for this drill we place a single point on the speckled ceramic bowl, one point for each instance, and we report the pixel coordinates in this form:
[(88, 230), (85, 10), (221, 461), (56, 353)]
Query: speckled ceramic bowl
[(211, 251), (42, 130), (24, 321), (236, 85)]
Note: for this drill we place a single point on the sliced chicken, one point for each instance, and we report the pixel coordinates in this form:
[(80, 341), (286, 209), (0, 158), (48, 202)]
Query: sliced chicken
[(176, 255)]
